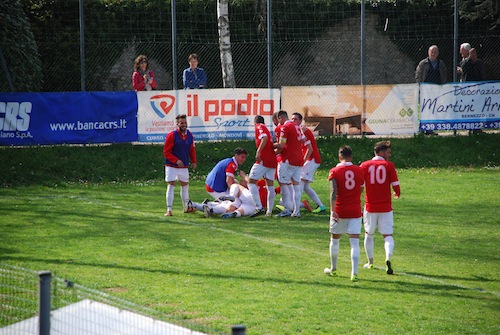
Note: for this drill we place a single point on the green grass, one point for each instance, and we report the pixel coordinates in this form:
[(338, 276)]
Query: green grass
[(267, 273)]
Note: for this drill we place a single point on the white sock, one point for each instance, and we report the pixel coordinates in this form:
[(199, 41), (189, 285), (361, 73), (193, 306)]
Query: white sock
[(169, 195), (354, 254), (255, 195), (312, 194), (369, 246), (389, 247), (286, 194), (334, 252), (184, 193), (297, 194), (271, 195)]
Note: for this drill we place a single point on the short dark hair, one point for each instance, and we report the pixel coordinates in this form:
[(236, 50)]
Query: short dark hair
[(299, 115), (181, 116), (239, 151), (381, 146), (283, 113), (345, 151), (258, 119)]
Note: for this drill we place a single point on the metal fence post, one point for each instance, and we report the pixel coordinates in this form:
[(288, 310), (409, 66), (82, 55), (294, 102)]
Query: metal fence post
[(44, 303), (238, 330)]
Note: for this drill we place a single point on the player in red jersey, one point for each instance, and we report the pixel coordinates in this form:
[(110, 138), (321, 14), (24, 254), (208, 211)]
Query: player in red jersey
[(346, 185), (290, 143), (380, 175), (310, 165), (264, 166), (179, 151)]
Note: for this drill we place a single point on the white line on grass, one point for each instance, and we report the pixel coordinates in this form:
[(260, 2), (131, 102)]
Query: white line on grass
[(148, 214)]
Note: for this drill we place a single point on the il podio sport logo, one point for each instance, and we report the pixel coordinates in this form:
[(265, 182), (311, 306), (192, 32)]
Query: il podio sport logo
[(15, 119)]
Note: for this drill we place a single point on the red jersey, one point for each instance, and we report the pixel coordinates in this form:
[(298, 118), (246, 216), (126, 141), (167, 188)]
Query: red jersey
[(315, 153), (267, 155), (292, 135), (277, 132), (380, 175), (350, 180)]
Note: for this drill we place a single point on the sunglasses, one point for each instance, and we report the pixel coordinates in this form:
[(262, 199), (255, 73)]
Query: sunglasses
[(144, 62)]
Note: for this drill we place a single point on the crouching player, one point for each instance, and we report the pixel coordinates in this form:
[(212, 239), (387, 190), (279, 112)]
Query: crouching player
[(346, 185)]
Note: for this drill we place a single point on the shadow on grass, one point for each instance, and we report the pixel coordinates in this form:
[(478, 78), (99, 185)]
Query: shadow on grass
[(395, 285)]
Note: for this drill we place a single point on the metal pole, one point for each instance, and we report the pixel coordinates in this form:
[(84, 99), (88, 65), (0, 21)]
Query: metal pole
[(269, 45), (238, 330), (82, 47), (174, 46), (363, 38), (455, 41), (44, 303)]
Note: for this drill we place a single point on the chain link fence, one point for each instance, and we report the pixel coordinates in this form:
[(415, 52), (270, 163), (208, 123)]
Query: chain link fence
[(313, 43), (79, 309)]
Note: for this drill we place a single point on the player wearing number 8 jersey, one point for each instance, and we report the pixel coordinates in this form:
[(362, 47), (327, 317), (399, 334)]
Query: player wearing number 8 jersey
[(346, 185), (380, 175)]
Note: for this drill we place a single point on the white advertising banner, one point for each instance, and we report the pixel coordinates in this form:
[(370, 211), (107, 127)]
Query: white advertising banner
[(216, 114), (460, 106), (355, 110)]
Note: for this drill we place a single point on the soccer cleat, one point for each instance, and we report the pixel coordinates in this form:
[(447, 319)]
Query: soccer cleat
[(285, 213), (258, 212), (319, 209), (306, 205), (188, 207), (389, 270), (227, 197), (206, 201), (207, 211), (228, 215), (354, 278), (295, 215), (280, 207), (368, 266), (168, 213), (330, 272), (268, 214)]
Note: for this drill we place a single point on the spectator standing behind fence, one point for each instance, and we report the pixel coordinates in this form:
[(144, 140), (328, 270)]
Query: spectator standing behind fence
[(472, 67), (464, 52), (194, 76), (178, 150), (143, 78), (431, 69)]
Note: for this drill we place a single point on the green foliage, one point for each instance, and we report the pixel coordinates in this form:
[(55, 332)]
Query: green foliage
[(127, 162), (20, 52)]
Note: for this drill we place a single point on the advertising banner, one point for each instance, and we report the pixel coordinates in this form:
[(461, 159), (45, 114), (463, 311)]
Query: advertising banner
[(355, 110), (217, 114), (70, 117), (460, 106)]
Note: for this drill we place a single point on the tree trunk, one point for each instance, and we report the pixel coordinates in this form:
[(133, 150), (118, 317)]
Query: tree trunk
[(226, 58)]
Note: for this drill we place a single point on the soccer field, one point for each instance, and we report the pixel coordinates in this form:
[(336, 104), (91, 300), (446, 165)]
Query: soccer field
[(267, 273)]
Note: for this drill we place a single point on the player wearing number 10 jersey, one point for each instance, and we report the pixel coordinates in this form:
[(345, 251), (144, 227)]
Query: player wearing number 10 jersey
[(346, 185), (380, 175)]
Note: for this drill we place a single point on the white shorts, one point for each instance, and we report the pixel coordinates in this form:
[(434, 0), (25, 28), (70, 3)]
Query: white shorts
[(345, 226), (258, 171), (308, 170), (173, 174), (384, 221), (287, 172)]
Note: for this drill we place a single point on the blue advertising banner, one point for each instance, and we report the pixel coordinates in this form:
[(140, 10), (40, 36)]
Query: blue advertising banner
[(67, 118), (460, 106)]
